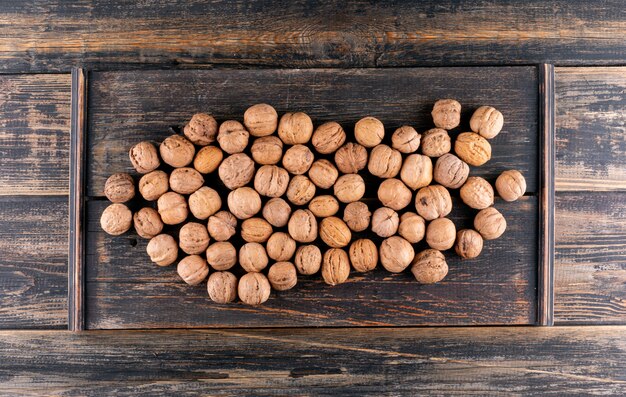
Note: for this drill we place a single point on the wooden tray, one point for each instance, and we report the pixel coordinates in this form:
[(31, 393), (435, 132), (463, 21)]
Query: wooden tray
[(114, 285)]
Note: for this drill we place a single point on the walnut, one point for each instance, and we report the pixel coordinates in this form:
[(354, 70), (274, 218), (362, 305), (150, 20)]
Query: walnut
[(244, 202), (323, 174), (396, 254), (469, 243), (267, 150), (510, 185), (324, 206), (487, 121), (193, 238), (144, 157), (451, 171), (201, 129), (328, 137), (256, 230), (385, 222), (119, 188), (472, 148), (236, 170), (153, 185), (162, 250), (232, 137), (417, 171), (282, 276), (440, 234), (254, 288), (204, 202), (177, 151), (429, 266), (405, 139), (363, 255), (298, 159), (308, 259), (351, 158), (185, 180), (271, 181), (222, 287), (300, 190), (436, 142), (147, 222), (412, 227), (280, 246), (394, 194), (433, 202), (208, 159), (261, 119), (349, 188), (277, 212), (172, 208), (477, 193), (384, 162), (302, 226), (335, 266), (221, 255), (490, 223), (116, 219), (295, 128), (222, 226), (446, 114), (357, 216), (253, 257), (334, 232), (193, 269), (369, 131)]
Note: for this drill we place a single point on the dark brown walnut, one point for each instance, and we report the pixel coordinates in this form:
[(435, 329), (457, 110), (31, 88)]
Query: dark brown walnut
[(267, 150), (328, 137), (153, 185), (277, 212), (208, 159), (236, 170), (324, 206), (351, 158), (147, 222), (222, 226), (446, 114), (204, 202), (256, 230), (487, 121), (280, 246), (436, 142), (451, 171), (394, 194), (472, 148), (201, 129), (323, 174), (417, 171), (295, 128), (429, 266), (369, 131), (396, 254), (162, 250), (172, 208), (221, 255), (282, 276), (405, 139), (440, 234), (177, 151), (433, 202), (244, 202), (232, 137), (261, 119), (144, 158), (302, 226), (253, 257), (300, 190), (385, 222), (116, 219), (298, 159), (271, 181), (363, 255), (510, 185), (349, 188), (308, 259), (222, 287), (119, 188), (193, 269), (477, 193), (185, 180), (334, 232), (384, 162), (254, 288), (469, 243), (335, 266), (490, 223), (412, 227), (357, 216), (193, 238)]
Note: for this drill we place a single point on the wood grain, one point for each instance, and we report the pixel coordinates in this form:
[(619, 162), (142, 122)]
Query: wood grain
[(34, 134), (358, 362), (52, 36)]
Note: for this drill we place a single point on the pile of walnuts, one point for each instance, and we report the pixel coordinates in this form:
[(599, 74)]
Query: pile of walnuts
[(281, 192)]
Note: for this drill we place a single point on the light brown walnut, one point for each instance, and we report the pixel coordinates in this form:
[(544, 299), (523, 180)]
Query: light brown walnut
[(334, 232), (221, 255), (417, 171), (349, 188), (446, 114), (144, 158), (295, 128), (222, 287), (357, 216), (472, 148), (204, 202), (193, 269), (147, 222), (433, 202), (328, 137), (253, 257), (324, 206), (440, 234), (153, 185), (369, 131), (193, 238), (511, 185), (172, 208), (477, 193), (351, 158), (177, 151), (254, 288), (261, 119), (116, 219), (335, 266), (282, 276), (208, 159), (451, 171), (244, 202), (162, 250), (298, 159), (119, 188), (308, 259), (384, 162), (300, 190), (429, 266), (236, 170), (222, 226), (405, 139), (469, 243), (256, 230), (323, 174), (394, 194), (302, 226), (436, 142), (232, 137), (280, 246), (201, 129), (396, 254), (487, 121), (385, 222), (267, 150), (363, 255), (412, 227), (185, 180), (271, 181), (277, 212), (490, 223)]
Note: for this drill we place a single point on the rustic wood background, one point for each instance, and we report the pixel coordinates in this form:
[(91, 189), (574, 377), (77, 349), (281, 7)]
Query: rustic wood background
[(41, 41)]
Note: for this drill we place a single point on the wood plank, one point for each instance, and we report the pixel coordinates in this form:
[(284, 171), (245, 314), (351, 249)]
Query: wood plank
[(359, 362), (34, 134), (590, 271), (52, 36), (33, 266), (591, 129)]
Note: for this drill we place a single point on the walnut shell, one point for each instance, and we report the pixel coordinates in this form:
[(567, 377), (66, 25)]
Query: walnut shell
[(369, 131), (153, 185), (323, 174), (490, 223), (487, 121), (334, 232), (440, 234), (298, 159), (244, 202), (328, 137), (267, 150), (256, 230), (477, 193), (396, 254), (221, 255), (277, 212), (469, 243), (172, 208), (193, 269), (232, 137), (472, 148), (335, 266), (394, 194), (511, 185), (116, 219), (208, 159), (302, 226), (162, 250), (253, 257), (412, 227), (185, 180), (222, 226), (119, 188), (282, 276), (261, 119), (204, 202), (417, 171), (405, 139), (280, 246), (363, 255), (433, 202), (193, 238), (357, 216), (147, 222), (300, 190), (236, 170), (451, 171), (308, 259), (446, 114), (324, 206), (254, 288), (436, 142), (429, 266), (351, 158), (177, 151), (144, 158), (384, 162), (349, 188), (222, 287), (295, 128), (385, 222), (201, 129), (271, 181)]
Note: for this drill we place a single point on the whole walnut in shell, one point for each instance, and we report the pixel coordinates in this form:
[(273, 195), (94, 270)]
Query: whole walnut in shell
[(222, 287), (144, 157), (369, 131), (334, 232), (236, 170), (412, 227), (254, 288), (233, 137), (472, 148), (335, 266), (222, 226), (277, 212), (282, 276), (302, 226), (177, 151), (349, 188), (267, 150), (384, 162), (300, 190), (201, 129), (417, 171), (221, 255), (162, 250), (172, 208), (256, 230), (193, 269), (193, 238), (323, 174), (295, 128), (394, 194), (477, 193), (116, 219), (204, 202), (308, 259), (328, 137), (487, 121), (244, 202), (271, 181), (185, 180), (396, 254), (153, 185), (490, 223), (298, 159), (385, 222), (446, 114), (429, 266), (451, 171), (119, 188), (357, 216), (440, 234), (324, 206), (436, 142), (363, 255), (469, 243), (405, 139), (351, 158), (511, 185), (147, 222), (433, 202), (261, 119), (253, 257), (280, 246), (208, 159)]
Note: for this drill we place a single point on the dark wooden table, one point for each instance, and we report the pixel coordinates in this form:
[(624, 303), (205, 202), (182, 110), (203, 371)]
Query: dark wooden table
[(585, 352)]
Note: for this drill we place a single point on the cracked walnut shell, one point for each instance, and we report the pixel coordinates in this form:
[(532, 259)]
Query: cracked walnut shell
[(222, 287), (477, 193), (472, 148), (429, 266), (177, 151), (201, 129), (446, 114), (193, 269), (451, 171), (254, 288), (511, 185), (335, 266), (116, 219), (119, 188), (144, 158), (433, 202), (261, 119)]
